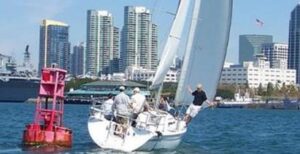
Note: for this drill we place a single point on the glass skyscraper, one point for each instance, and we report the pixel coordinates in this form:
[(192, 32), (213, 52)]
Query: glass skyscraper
[(294, 42), (78, 56), (102, 43), (251, 45), (54, 44), (276, 54), (139, 39)]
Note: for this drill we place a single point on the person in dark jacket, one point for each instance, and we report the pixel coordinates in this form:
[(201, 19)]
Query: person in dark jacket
[(195, 107)]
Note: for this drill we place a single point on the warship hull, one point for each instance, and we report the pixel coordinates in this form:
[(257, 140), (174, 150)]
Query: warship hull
[(18, 90)]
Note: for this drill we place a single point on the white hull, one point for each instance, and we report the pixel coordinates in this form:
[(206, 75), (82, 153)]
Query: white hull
[(171, 131), (168, 142), (146, 136), (102, 133)]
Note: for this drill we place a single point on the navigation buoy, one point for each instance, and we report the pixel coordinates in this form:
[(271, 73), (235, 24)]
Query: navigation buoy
[(47, 128)]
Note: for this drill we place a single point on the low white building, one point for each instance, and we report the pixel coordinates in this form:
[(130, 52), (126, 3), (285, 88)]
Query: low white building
[(141, 74), (256, 73), (118, 77)]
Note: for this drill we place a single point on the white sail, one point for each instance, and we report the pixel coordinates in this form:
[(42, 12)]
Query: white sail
[(171, 46), (206, 48)]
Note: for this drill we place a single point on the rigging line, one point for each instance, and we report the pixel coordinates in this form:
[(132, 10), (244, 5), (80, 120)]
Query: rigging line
[(176, 37), (164, 11), (170, 13), (153, 8)]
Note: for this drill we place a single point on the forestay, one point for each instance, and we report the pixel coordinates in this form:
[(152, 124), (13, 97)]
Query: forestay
[(171, 46), (206, 48)]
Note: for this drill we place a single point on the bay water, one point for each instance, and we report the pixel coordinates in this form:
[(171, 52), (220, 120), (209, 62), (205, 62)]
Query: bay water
[(212, 131)]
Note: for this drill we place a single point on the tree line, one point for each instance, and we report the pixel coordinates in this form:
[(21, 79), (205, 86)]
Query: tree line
[(277, 91), (226, 91)]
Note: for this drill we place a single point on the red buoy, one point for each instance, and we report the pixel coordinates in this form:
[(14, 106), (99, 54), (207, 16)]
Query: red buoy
[(47, 128)]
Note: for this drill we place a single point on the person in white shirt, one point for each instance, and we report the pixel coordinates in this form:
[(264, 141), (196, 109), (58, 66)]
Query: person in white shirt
[(120, 109), (121, 102), (137, 101), (137, 104), (107, 107)]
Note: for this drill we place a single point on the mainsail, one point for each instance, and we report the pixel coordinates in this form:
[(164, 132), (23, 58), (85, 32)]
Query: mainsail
[(172, 44), (206, 48)]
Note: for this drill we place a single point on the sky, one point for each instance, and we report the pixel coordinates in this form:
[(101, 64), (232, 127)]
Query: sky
[(20, 20)]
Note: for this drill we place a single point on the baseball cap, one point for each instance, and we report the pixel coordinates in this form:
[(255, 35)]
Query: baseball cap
[(136, 89), (122, 88)]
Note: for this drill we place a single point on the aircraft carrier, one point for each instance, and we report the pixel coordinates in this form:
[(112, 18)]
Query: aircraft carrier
[(17, 83)]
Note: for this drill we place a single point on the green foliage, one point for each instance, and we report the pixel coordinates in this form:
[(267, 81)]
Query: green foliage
[(293, 92), (277, 85), (260, 90), (270, 89), (277, 91), (247, 85), (169, 89), (226, 91), (283, 89)]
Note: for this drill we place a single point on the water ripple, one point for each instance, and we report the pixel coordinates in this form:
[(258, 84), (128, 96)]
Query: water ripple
[(213, 131)]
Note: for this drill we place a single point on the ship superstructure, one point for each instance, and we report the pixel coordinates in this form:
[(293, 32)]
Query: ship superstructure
[(18, 83)]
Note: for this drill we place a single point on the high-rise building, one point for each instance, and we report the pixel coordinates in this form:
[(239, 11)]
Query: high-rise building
[(115, 62), (101, 43), (177, 63), (277, 54), (78, 60), (294, 42), (250, 46), (54, 44), (139, 39)]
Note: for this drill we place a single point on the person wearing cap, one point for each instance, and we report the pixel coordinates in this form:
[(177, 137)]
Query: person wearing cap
[(195, 107), (120, 109), (137, 103), (107, 107), (121, 102)]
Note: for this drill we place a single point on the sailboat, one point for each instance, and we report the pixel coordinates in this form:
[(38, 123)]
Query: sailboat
[(204, 57)]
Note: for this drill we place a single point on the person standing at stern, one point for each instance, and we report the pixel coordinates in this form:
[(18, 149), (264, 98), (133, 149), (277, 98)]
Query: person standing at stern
[(199, 98)]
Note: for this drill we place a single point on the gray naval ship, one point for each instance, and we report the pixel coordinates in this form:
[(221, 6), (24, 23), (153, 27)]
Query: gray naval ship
[(17, 83)]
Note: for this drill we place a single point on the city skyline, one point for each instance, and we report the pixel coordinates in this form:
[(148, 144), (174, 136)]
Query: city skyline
[(29, 15)]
